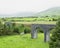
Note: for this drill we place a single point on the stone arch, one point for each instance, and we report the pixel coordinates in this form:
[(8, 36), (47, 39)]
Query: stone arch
[(45, 28)]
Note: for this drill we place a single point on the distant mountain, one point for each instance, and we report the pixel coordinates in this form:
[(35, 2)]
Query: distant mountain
[(24, 14), (19, 14), (50, 12)]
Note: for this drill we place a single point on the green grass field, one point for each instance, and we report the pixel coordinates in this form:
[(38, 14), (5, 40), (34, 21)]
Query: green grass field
[(22, 41), (27, 19), (37, 22)]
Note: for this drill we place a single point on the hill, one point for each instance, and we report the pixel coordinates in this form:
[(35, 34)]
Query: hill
[(50, 12), (55, 11), (18, 14)]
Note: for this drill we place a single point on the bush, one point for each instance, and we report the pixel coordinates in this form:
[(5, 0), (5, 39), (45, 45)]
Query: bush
[(53, 19), (40, 30), (27, 30), (55, 38), (8, 28), (16, 30)]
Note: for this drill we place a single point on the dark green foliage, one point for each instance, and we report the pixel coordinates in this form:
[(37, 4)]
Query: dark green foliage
[(16, 30), (55, 38), (49, 19), (46, 16), (3, 19), (9, 28), (27, 30), (1, 28), (53, 19), (21, 28), (40, 30)]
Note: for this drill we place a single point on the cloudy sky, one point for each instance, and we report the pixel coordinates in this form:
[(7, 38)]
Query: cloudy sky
[(13, 6)]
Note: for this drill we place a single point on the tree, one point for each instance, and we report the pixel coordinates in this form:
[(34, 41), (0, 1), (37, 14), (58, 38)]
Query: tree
[(55, 38), (18, 28), (27, 30), (53, 19), (8, 29), (1, 28)]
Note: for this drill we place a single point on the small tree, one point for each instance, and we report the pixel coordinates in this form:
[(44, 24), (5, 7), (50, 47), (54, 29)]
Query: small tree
[(18, 28), (8, 29), (27, 30), (55, 38), (1, 28)]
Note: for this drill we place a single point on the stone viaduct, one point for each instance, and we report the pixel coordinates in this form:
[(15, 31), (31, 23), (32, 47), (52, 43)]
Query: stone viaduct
[(44, 27)]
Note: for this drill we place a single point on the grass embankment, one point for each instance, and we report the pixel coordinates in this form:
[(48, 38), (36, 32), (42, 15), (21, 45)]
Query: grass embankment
[(37, 22), (22, 41)]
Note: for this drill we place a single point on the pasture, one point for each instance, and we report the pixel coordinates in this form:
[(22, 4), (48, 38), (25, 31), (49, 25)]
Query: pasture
[(23, 41), (30, 19), (36, 22)]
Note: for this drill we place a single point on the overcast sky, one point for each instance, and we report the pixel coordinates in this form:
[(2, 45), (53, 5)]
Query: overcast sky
[(13, 6)]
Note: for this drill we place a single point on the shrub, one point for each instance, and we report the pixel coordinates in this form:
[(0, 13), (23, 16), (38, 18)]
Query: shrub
[(8, 28), (40, 30), (1, 29), (18, 28), (55, 38), (27, 30), (53, 19)]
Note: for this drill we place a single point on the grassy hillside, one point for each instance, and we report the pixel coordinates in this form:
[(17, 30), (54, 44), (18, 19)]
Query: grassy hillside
[(50, 12), (22, 41)]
